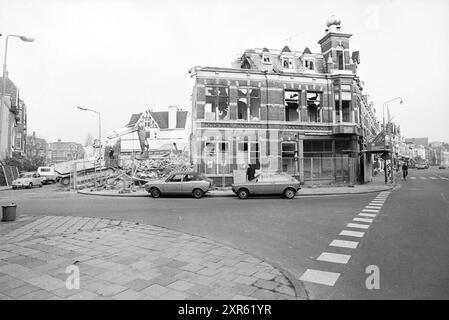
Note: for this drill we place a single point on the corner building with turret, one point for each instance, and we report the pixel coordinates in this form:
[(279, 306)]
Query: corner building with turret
[(282, 111)]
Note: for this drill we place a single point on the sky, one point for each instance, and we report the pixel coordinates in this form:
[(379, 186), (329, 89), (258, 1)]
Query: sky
[(124, 56)]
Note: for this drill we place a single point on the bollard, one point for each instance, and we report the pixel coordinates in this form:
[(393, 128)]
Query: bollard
[(9, 212)]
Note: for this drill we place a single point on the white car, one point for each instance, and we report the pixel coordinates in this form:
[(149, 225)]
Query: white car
[(28, 180), (48, 173)]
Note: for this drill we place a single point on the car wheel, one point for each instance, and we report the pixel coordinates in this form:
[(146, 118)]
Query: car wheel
[(155, 193), (40, 185), (243, 193), (30, 185), (289, 193), (198, 193), (14, 187)]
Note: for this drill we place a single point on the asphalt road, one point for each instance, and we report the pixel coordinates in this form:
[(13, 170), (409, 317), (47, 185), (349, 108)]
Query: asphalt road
[(408, 240)]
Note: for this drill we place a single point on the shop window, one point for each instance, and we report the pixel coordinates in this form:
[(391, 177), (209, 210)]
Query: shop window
[(248, 104), (288, 157), (314, 106), (217, 103), (337, 111), (248, 153), (291, 102)]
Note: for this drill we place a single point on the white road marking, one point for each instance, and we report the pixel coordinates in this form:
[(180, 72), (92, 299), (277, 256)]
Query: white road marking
[(349, 233), (374, 204), (423, 178), (373, 207), (321, 277), (357, 225), (378, 201), (344, 244), (363, 220), (372, 215), (370, 210), (334, 257), (412, 177), (433, 178)]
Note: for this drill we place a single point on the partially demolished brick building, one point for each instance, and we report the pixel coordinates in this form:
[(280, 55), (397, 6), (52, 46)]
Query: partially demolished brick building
[(291, 111)]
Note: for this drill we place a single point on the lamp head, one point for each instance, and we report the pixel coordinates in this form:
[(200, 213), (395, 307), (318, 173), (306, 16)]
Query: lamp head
[(81, 108), (26, 39)]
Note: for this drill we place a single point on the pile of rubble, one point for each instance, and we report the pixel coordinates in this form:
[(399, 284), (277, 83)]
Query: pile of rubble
[(133, 175)]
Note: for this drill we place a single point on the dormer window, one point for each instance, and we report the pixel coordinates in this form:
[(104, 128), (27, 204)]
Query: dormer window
[(309, 65), (266, 58), (287, 63)]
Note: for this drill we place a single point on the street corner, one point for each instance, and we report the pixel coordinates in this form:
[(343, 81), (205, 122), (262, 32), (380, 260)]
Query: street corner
[(85, 258)]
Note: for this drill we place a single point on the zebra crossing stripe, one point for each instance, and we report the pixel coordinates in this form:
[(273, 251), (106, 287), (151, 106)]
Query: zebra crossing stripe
[(363, 220), (320, 277), (412, 177), (423, 178), (370, 210), (374, 204), (349, 233), (373, 207), (334, 257), (433, 178), (344, 244), (357, 225), (372, 215)]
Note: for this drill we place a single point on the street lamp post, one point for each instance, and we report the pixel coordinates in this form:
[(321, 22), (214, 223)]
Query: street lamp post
[(385, 139), (2, 98), (99, 127)]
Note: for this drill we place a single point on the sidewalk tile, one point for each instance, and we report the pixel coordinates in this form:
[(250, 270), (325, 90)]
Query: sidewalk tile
[(128, 295), (20, 291), (155, 290), (111, 290), (173, 295), (36, 295), (83, 295), (181, 285), (265, 284)]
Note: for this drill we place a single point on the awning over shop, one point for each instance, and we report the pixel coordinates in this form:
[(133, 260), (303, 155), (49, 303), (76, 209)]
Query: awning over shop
[(377, 145)]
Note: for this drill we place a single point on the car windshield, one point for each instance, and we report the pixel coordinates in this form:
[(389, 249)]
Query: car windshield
[(267, 177), (26, 175), (45, 169)]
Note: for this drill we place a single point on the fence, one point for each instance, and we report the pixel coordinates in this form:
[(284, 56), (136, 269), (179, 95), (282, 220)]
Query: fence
[(90, 173), (311, 170), (8, 174)]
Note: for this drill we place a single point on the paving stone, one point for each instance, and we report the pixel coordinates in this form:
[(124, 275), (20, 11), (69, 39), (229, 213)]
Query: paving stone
[(192, 267), (138, 284), (111, 290), (263, 294), (155, 290), (83, 295), (264, 275), (20, 291), (181, 285), (128, 295), (241, 297), (36, 295), (173, 295), (265, 284), (163, 280), (245, 280), (12, 284), (286, 290)]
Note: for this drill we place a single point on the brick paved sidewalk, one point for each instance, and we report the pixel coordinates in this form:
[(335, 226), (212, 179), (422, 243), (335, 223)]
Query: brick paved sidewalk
[(124, 260)]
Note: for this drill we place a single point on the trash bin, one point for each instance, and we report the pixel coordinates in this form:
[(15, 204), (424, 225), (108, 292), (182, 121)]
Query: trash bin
[(9, 212)]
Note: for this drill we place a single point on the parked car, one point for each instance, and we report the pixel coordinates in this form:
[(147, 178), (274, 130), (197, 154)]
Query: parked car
[(268, 184), (49, 174), (28, 180), (442, 167), (421, 166), (180, 183)]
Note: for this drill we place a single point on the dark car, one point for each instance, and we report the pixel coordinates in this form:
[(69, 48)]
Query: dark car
[(180, 183), (442, 167)]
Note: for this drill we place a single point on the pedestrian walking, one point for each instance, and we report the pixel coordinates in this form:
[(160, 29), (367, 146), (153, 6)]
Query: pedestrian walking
[(404, 171)]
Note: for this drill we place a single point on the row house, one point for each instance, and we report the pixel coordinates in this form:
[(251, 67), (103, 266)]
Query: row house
[(281, 110), (61, 151), (13, 122), (158, 132)]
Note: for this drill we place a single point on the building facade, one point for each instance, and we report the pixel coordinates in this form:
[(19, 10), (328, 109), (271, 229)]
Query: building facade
[(13, 122), (281, 110), (158, 132), (61, 151), (35, 147)]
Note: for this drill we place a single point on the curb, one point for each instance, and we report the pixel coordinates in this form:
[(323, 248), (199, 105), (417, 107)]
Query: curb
[(140, 195)]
